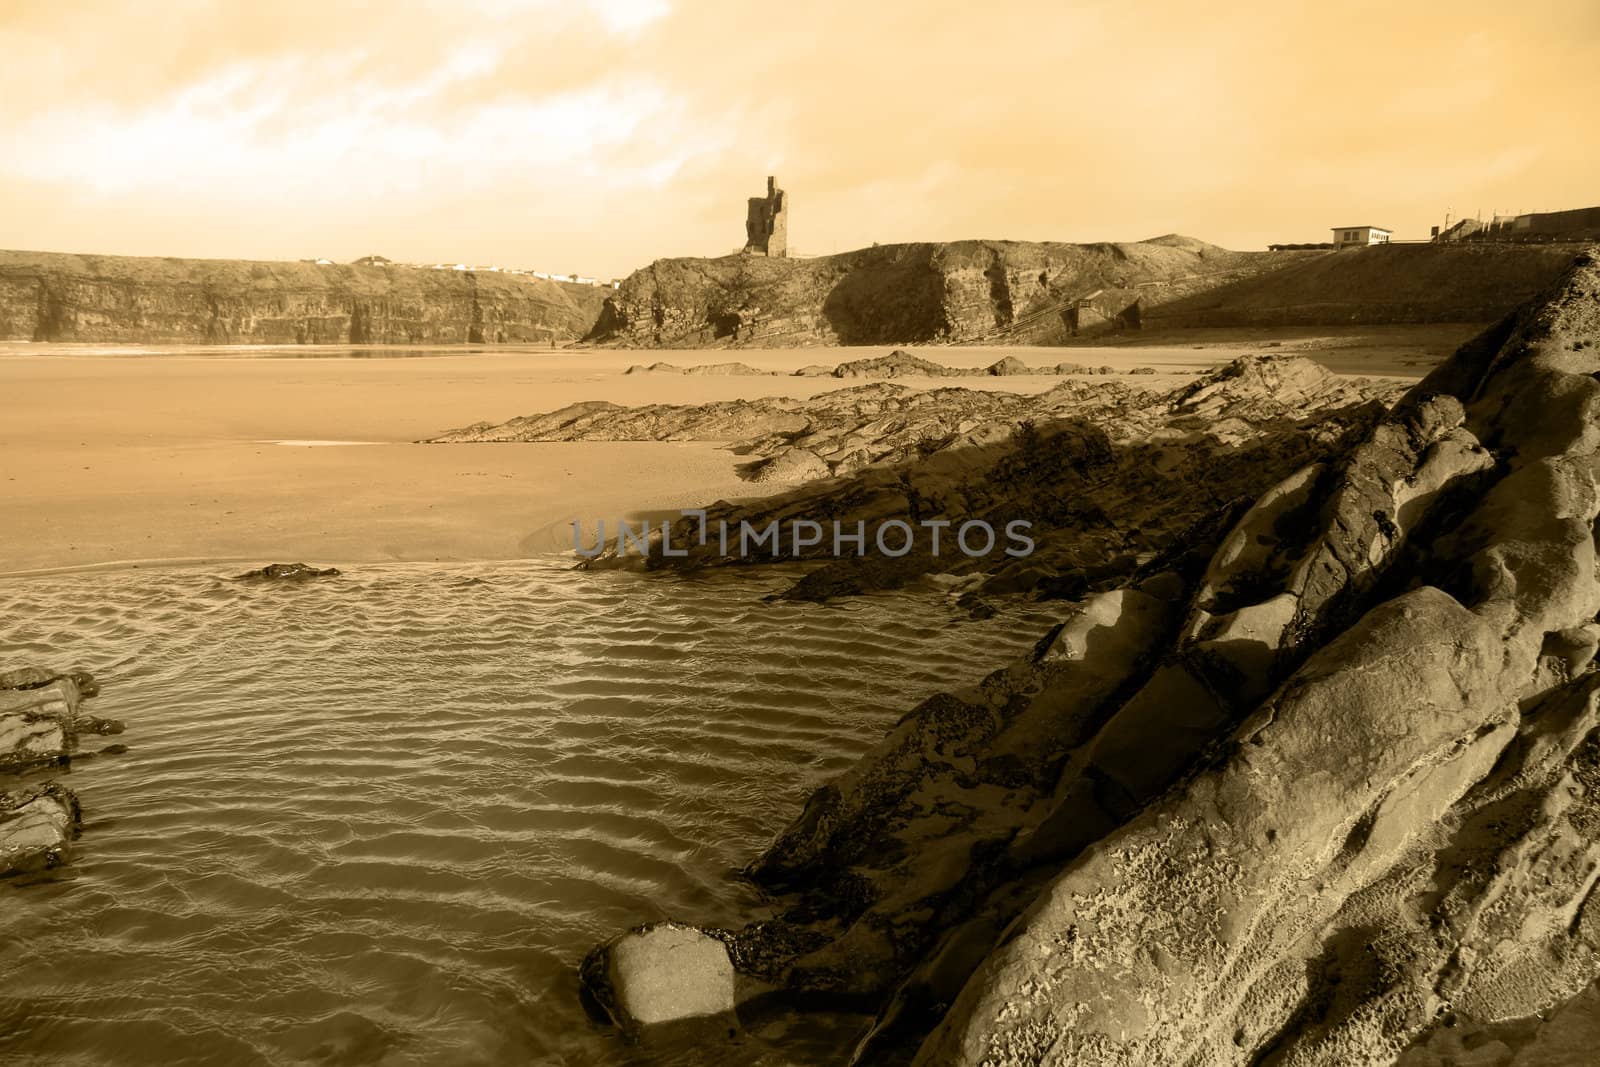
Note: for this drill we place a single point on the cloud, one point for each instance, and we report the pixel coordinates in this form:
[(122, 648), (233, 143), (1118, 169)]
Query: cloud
[(600, 135)]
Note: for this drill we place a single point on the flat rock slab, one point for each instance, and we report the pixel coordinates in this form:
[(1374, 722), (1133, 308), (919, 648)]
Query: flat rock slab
[(36, 828), (661, 973), (27, 739), (37, 724)]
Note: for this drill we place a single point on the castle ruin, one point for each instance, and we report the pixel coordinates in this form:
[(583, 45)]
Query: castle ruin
[(766, 224)]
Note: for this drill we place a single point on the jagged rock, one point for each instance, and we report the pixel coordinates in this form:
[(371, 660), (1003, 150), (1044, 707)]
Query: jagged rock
[(40, 720), (1105, 474), (1135, 952), (1028, 293), (884, 424), (661, 973), (38, 677), (792, 465), (897, 364), (1009, 365), (1322, 772), (710, 369), (287, 572), (36, 828), (37, 724), (976, 607), (915, 828)]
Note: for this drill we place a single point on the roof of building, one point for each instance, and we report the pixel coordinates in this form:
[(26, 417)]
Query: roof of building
[(1385, 229)]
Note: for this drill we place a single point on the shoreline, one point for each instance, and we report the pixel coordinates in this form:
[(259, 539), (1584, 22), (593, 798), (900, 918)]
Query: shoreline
[(175, 454)]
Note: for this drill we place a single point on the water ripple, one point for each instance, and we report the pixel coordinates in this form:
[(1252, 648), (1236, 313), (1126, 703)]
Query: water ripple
[(380, 819)]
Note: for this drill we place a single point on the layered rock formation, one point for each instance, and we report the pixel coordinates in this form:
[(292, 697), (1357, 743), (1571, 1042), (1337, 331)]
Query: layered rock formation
[(1312, 786), (971, 431), (909, 293), (41, 723), (36, 828), (897, 364), (47, 296), (1105, 472), (1045, 293)]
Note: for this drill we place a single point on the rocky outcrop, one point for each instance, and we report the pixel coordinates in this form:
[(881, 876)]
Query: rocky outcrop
[(704, 369), (897, 364), (40, 721), (902, 364), (48, 296), (1047, 293), (287, 572), (881, 425), (1312, 785), (41, 724), (908, 293), (36, 828), (1103, 472), (1381, 284)]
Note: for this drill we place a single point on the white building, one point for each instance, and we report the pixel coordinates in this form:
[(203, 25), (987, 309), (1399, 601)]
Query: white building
[(1359, 236)]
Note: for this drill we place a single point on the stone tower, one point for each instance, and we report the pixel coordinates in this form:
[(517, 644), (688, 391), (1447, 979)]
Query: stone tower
[(766, 224)]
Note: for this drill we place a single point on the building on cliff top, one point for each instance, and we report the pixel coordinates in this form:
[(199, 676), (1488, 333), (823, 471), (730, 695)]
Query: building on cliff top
[(1359, 236), (766, 223)]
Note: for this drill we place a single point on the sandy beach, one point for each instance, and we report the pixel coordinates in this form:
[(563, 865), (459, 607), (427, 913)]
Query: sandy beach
[(123, 455)]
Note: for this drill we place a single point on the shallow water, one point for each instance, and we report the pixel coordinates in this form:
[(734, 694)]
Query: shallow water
[(379, 819)]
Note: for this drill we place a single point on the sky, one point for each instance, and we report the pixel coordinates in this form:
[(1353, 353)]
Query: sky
[(593, 136)]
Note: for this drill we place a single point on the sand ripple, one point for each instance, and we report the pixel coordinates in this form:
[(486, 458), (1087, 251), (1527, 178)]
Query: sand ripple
[(379, 819)]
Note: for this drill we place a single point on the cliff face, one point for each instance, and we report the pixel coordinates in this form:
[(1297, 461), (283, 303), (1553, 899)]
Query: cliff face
[(1377, 285), (1016, 291), (1013, 292), (47, 296)]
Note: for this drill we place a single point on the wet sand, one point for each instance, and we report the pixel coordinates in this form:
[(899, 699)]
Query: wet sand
[(259, 455)]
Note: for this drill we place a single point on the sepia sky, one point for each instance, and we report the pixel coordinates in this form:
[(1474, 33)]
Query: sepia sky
[(593, 136)]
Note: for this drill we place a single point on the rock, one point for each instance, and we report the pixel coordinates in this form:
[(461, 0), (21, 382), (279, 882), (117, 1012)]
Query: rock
[(976, 607), (711, 369), (43, 722), (1104, 475), (26, 677), (792, 465), (286, 572), (48, 296), (27, 740), (36, 828), (897, 364), (38, 725), (961, 291), (1223, 877), (1007, 366), (1310, 771), (37, 677), (660, 973)]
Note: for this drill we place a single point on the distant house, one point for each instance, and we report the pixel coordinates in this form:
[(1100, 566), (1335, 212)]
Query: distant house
[(1359, 236)]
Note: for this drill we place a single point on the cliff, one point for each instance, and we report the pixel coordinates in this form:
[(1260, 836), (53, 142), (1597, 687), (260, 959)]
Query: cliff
[(1013, 292), (1315, 783), (1380, 285), (49, 296), (1019, 291)]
